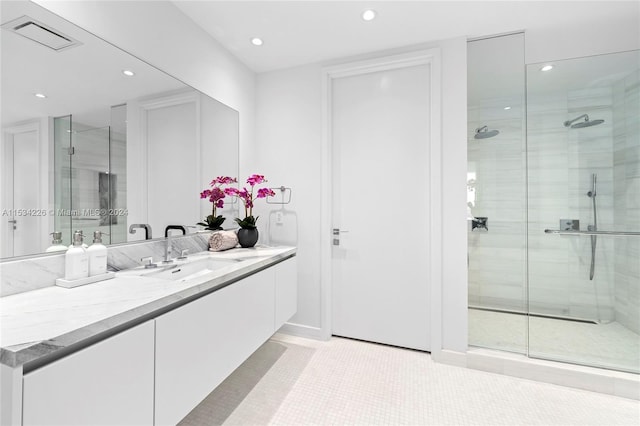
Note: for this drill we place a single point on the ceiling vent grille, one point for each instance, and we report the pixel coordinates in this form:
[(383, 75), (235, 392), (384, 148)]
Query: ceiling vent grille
[(41, 33)]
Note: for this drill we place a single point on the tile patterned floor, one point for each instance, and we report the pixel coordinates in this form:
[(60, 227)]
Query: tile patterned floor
[(295, 381), (601, 345)]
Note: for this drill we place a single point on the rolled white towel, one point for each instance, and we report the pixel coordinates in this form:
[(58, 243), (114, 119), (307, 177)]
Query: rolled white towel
[(223, 240)]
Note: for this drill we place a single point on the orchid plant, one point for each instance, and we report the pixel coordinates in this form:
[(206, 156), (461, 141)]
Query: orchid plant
[(247, 197), (216, 196)]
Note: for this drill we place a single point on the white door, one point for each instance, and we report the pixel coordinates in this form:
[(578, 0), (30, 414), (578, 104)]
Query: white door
[(380, 140), (22, 214)]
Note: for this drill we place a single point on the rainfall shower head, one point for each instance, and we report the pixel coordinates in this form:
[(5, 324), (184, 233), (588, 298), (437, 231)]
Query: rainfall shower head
[(484, 133), (585, 123)]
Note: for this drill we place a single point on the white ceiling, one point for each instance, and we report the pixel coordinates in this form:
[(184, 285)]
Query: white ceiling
[(302, 32)]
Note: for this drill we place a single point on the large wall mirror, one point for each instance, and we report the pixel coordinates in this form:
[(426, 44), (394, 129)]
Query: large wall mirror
[(95, 139)]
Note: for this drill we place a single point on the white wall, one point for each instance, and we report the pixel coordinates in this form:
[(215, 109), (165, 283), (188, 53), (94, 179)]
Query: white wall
[(160, 34), (454, 194), (288, 122)]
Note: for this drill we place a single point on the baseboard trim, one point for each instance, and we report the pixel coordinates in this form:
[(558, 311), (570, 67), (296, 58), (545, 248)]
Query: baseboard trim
[(444, 356), (301, 330), (626, 385)]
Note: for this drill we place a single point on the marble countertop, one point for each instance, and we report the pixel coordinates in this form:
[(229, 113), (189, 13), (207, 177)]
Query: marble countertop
[(38, 323)]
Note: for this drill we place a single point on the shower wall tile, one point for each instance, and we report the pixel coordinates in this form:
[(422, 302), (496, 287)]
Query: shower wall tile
[(561, 162), (589, 100), (497, 257), (627, 202)]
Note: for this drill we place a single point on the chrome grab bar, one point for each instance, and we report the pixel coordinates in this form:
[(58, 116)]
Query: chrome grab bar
[(612, 233)]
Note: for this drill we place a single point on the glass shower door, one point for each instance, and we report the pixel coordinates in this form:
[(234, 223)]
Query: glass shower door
[(496, 200), (583, 226)]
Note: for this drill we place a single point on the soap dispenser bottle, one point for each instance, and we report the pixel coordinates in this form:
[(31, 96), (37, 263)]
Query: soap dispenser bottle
[(97, 255), (76, 262), (56, 244)]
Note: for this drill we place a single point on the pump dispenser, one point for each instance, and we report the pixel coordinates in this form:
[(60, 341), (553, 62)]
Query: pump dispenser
[(56, 244), (97, 255), (81, 232), (76, 264)]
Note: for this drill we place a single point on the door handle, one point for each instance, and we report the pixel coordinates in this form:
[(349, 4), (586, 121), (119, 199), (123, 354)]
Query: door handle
[(14, 223), (336, 235)]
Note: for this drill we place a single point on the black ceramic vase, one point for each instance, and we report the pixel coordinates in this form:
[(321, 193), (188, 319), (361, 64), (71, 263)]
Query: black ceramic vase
[(247, 237)]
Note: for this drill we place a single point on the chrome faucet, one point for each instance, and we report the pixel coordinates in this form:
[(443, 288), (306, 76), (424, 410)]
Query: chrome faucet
[(167, 235), (147, 229)]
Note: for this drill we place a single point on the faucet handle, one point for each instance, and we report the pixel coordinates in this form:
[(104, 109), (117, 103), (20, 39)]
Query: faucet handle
[(148, 262), (183, 254)]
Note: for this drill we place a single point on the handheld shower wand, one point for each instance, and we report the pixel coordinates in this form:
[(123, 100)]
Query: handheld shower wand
[(594, 238)]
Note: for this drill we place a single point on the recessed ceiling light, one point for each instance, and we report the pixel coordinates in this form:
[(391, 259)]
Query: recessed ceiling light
[(256, 41), (40, 95), (128, 73), (507, 108), (546, 68), (369, 15)]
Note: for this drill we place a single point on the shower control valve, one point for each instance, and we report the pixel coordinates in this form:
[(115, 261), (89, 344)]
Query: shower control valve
[(479, 224), (569, 225)]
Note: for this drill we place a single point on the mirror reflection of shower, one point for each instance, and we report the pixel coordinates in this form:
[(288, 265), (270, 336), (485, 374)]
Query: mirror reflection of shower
[(484, 133), (585, 123)]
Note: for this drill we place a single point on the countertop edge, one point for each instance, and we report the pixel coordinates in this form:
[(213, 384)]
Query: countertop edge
[(34, 355)]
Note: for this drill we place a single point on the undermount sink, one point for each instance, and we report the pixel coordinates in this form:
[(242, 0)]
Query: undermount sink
[(180, 271)]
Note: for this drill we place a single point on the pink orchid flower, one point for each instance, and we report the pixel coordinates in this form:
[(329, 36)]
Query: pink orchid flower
[(216, 194), (247, 196)]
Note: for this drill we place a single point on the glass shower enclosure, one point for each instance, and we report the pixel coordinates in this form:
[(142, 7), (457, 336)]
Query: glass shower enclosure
[(555, 268)]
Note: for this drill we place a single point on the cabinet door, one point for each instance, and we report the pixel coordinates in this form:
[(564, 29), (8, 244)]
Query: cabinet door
[(286, 291), (200, 344), (109, 383)]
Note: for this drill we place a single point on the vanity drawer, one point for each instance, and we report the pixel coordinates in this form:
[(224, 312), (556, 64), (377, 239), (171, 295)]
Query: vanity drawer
[(109, 383)]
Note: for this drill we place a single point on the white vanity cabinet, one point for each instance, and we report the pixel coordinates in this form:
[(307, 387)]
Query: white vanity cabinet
[(199, 344), (286, 291), (108, 383), (156, 372)]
